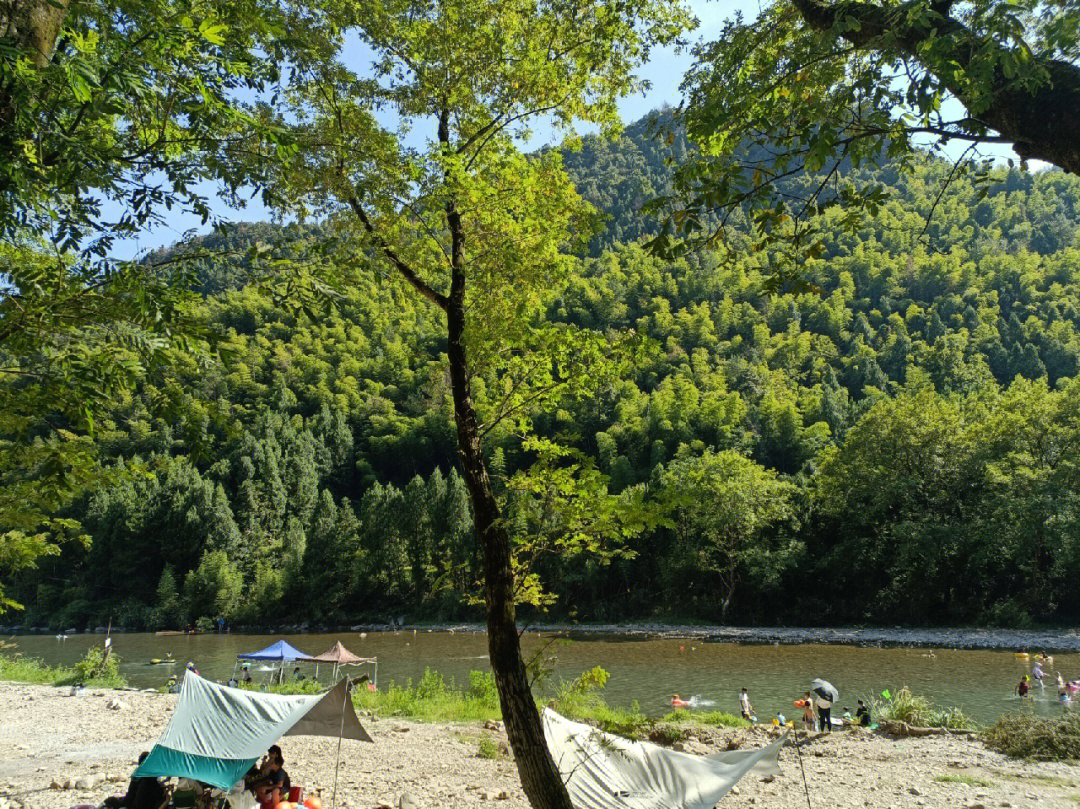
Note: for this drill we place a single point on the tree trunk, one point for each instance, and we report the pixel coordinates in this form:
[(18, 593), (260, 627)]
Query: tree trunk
[(33, 26), (539, 776), (731, 582)]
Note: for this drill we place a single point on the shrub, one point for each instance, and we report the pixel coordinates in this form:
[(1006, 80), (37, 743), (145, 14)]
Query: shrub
[(666, 734), (579, 698), (434, 699), (920, 712), (487, 748), (19, 669), (96, 671), (482, 689), (1023, 735), (92, 670), (722, 720), (713, 718)]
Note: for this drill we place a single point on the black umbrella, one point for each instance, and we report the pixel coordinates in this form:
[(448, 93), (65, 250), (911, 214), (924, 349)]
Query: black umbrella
[(825, 690)]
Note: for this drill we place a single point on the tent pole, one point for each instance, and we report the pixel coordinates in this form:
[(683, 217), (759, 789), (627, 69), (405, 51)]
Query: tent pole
[(341, 732)]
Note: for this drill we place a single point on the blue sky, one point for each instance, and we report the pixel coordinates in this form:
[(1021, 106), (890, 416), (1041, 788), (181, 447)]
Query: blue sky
[(664, 72)]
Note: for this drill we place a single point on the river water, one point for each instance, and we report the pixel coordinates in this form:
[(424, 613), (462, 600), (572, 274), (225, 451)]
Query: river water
[(642, 669)]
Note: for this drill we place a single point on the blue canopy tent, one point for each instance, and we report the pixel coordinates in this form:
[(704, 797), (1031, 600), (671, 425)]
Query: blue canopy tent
[(280, 652)]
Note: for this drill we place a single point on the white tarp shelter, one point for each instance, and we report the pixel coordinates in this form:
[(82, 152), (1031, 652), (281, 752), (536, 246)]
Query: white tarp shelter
[(217, 733), (602, 771)]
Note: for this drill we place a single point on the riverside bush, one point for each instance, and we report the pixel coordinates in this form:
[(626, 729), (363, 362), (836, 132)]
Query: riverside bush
[(90, 671), (718, 719), (19, 669), (1023, 735), (433, 699), (919, 711)]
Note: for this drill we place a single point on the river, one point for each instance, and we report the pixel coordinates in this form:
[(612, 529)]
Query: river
[(648, 670)]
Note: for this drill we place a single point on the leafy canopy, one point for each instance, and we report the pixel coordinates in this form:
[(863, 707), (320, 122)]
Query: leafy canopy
[(782, 108)]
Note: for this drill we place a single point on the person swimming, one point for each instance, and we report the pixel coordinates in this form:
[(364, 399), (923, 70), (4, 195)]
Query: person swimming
[(678, 702)]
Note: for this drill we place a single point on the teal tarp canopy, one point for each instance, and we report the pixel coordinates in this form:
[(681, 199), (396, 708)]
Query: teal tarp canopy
[(217, 733)]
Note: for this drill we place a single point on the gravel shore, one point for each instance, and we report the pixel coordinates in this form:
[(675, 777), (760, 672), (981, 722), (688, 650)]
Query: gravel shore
[(49, 737), (1048, 640)]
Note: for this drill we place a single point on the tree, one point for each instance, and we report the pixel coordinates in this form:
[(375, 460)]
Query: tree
[(125, 102), (723, 505), (784, 107), (471, 225), (213, 589), (167, 600)]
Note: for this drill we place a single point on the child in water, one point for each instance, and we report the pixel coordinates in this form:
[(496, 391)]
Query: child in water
[(1022, 687)]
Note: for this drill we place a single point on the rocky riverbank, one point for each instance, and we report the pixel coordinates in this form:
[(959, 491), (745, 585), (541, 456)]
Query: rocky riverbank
[(62, 750), (1049, 640)]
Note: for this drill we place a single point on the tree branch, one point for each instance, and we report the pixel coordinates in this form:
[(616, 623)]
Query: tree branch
[(402, 267)]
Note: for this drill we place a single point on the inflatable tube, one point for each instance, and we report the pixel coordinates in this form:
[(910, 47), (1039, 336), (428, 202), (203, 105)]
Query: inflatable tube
[(1022, 655)]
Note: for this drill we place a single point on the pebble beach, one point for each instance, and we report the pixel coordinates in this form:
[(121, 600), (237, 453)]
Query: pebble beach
[(61, 751)]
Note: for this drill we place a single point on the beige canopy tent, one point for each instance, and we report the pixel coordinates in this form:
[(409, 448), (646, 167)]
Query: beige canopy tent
[(339, 656)]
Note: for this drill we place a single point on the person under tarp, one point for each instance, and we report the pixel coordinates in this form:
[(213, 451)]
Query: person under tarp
[(217, 733), (602, 771)]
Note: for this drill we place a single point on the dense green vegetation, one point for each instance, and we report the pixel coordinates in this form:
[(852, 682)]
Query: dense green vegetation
[(919, 711), (93, 671), (899, 447), (1023, 735)]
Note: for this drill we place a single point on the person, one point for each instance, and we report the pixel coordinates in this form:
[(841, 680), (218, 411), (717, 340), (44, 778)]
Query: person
[(172, 685), (142, 793), (274, 787), (1063, 690), (262, 769), (678, 702), (808, 719), (862, 715), (1022, 687), (824, 707), (247, 675), (1037, 673), (297, 675), (744, 704), (191, 667)]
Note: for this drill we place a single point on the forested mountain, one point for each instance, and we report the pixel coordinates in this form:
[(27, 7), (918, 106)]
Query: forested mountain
[(901, 447)]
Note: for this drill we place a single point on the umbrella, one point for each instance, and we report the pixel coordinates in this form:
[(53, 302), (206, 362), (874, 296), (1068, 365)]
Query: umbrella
[(825, 690)]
